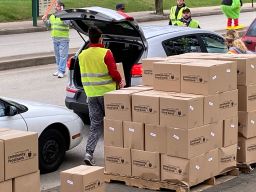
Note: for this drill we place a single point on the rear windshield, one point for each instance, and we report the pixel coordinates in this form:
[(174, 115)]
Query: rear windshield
[(252, 30), (113, 28)]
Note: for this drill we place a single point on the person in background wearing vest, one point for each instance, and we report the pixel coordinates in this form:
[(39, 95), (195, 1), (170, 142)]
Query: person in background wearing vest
[(231, 9), (99, 75), (186, 20), (176, 12), (60, 36)]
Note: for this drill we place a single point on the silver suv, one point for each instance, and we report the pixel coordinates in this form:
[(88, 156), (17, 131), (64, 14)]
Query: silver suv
[(130, 43)]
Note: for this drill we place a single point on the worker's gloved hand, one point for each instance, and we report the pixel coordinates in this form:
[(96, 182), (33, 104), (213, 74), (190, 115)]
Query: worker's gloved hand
[(45, 17), (122, 84)]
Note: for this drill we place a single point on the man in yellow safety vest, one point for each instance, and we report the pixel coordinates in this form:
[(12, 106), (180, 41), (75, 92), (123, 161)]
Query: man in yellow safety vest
[(60, 37), (99, 75), (176, 12), (187, 21)]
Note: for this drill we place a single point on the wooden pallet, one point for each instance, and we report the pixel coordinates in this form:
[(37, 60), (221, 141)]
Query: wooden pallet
[(172, 185), (246, 167)]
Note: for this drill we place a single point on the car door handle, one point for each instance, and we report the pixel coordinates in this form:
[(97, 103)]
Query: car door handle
[(248, 41)]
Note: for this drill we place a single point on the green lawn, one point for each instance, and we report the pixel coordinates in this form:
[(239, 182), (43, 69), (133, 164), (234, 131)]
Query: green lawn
[(12, 10)]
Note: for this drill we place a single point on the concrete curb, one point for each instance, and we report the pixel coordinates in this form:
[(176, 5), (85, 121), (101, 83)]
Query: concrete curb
[(21, 61)]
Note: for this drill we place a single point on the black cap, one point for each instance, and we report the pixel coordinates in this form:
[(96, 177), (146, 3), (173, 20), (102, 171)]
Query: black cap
[(120, 6), (186, 10)]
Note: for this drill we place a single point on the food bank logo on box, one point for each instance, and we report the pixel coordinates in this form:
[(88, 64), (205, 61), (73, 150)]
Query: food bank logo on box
[(227, 104), (148, 72), (173, 169), (143, 163), (116, 107), (166, 76), (21, 156), (251, 148), (194, 79), (113, 159), (172, 112), (92, 186), (198, 141), (143, 109), (228, 159), (252, 97)]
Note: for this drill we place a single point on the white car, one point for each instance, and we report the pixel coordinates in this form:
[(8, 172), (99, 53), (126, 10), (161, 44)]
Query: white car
[(58, 128)]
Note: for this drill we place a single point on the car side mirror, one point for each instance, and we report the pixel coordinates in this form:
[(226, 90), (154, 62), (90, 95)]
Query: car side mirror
[(11, 111)]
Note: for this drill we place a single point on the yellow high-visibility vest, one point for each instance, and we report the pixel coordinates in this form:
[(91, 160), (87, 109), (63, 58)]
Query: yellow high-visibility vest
[(58, 27), (94, 72), (172, 16)]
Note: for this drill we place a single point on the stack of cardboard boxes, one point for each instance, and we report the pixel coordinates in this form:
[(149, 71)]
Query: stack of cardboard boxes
[(19, 161), (246, 83), (184, 129)]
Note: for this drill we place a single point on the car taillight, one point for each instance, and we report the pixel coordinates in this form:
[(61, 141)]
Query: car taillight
[(136, 70), (71, 92), (70, 63)]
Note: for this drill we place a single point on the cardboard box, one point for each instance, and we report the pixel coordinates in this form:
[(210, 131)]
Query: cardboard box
[(166, 76), (139, 88), (212, 163), (208, 78), (20, 153), (193, 142), (246, 65), (227, 158), (228, 104), (147, 65), (192, 171), (181, 111), (1, 161), (155, 138), (134, 135), (145, 107), (230, 131), (145, 164), (120, 69), (28, 183), (247, 98), (118, 161), (118, 104), (211, 109), (113, 133), (6, 186), (83, 178), (246, 152), (247, 123)]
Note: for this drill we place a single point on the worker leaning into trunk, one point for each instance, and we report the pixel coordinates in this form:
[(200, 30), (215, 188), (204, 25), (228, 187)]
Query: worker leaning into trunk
[(176, 12), (99, 75)]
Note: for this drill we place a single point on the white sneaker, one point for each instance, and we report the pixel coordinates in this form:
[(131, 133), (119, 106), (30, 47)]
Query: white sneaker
[(60, 75), (56, 73)]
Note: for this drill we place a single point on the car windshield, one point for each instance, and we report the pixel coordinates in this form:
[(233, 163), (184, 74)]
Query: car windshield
[(252, 30)]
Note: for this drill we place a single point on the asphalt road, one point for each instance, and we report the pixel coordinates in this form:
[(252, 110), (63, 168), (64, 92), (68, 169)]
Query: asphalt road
[(38, 84)]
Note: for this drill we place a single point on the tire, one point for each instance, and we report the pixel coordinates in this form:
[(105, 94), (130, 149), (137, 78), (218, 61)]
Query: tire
[(52, 149)]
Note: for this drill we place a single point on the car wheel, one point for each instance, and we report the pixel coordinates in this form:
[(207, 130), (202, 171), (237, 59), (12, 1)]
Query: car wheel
[(51, 150)]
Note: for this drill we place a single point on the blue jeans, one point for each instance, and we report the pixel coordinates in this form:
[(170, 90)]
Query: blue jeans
[(61, 47)]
